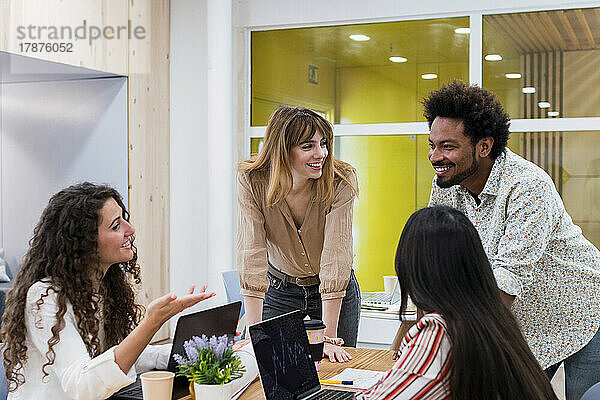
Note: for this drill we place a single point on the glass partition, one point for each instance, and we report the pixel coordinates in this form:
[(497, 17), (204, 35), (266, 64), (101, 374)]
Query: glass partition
[(395, 179), (544, 64), (363, 73), (572, 161), (539, 64)]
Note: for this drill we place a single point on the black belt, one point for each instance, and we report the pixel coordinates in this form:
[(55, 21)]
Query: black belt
[(305, 281)]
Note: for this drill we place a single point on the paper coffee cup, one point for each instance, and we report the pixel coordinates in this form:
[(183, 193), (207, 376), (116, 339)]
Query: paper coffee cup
[(315, 329), (157, 385), (389, 283)]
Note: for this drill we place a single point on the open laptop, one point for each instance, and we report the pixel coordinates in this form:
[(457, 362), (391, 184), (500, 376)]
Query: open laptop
[(381, 298), (216, 321), (285, 366)]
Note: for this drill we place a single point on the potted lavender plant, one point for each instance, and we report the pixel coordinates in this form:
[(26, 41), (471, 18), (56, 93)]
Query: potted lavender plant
[(210, 365)]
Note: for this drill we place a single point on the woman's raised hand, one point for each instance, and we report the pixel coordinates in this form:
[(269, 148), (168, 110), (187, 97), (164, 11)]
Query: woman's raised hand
[(163, 308)]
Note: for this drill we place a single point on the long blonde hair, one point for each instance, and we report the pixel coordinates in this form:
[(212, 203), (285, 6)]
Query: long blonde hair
[(288, 127)]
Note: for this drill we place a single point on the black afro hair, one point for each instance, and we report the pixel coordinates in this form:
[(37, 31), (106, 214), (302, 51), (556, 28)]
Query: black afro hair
[(481, 113)]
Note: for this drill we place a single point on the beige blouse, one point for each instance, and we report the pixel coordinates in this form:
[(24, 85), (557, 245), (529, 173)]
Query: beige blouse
[(322, 245)]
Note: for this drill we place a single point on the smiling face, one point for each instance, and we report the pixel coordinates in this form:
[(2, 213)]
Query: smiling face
[(452, 154), (114, 234), (308, 157)]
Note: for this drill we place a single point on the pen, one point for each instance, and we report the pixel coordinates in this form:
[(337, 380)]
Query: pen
[(325, 381)]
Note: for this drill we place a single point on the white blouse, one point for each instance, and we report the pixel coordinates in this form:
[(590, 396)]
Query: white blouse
[(74, 374)]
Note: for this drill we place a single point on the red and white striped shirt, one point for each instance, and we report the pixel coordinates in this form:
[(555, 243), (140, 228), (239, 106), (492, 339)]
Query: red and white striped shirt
[(422, 370)]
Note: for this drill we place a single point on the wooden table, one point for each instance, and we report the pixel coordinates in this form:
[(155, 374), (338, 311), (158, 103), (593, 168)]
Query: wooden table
[(377, 360)]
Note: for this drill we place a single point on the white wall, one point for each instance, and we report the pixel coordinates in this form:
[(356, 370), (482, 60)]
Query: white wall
[(188, 144), (54, 134), (202, 199), (261, 13)]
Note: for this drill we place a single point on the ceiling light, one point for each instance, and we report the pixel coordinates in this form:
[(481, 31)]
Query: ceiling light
[(513, 76), (543, 104), (398, 59), (429, 76), (553, 113), (493, 57), (464, 31), (359, 38), (528, 89)]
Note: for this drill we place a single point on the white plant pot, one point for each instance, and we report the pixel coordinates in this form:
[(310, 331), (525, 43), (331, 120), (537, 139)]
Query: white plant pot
[(213, 392)]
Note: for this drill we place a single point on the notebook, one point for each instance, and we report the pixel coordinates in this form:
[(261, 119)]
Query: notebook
[(381, 298), (285, 366), (216, 321)]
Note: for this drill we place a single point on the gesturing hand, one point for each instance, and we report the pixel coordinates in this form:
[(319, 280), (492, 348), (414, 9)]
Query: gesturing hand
[(161, 309)]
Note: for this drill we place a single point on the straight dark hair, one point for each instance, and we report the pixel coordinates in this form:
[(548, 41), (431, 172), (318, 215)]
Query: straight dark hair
[(441, 265)]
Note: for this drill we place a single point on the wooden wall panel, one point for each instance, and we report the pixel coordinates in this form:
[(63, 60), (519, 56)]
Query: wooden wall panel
[(146, 63), (110, 55), (149, 144)]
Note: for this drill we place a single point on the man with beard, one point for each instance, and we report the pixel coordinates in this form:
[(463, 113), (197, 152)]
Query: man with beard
[(547, 272)]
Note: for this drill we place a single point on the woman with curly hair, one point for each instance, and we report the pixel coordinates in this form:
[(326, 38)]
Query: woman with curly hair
[(72, 328), (295, 228)]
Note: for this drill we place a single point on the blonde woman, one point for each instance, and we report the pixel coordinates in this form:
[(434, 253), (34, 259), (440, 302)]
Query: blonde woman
[(295, 228)]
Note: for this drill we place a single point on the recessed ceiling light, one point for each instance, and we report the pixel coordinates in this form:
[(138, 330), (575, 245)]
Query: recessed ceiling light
[(359, 38), (493, 57), (553, 113), (513, 76), (429, 76), (398, 59), (464, 31), (528, 89), (543, 104)]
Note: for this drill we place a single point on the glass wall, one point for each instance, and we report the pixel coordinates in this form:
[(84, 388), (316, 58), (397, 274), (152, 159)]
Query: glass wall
[(357, 73), (544, 64), (572, 161), (539, 64)]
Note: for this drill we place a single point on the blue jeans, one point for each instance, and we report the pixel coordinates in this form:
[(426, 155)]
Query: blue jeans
[(582, 369), (282, 298)]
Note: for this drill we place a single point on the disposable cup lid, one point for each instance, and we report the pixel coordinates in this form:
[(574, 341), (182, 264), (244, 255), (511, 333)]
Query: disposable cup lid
[(313, 324)]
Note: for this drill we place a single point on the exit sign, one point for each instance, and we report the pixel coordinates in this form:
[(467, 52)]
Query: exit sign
[(313, 74)]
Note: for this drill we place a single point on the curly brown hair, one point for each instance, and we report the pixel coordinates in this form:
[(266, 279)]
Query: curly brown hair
[(64, 252), (481, 112)]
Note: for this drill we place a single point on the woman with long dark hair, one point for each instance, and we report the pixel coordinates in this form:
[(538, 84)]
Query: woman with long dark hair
[(467, 345), (72, 328), (295, 228)]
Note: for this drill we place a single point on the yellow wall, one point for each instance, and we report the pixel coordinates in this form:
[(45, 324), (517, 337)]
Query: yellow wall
[(386, 170), (394, 172), (283, 75)]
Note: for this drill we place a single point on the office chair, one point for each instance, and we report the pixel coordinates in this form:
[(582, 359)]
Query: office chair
[(592, 393), (231, 281)]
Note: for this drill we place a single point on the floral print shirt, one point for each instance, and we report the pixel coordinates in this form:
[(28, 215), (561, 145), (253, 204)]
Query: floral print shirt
[(537, 254)]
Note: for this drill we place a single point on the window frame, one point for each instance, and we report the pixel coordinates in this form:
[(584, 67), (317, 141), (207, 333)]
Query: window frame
[(412, 128)]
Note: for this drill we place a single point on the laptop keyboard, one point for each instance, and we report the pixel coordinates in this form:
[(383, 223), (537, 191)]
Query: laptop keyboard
[(331, 394), (376, 297), (132, 392)]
